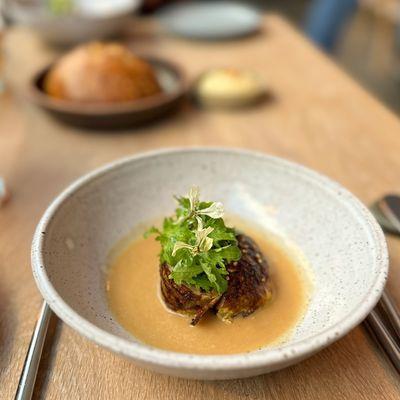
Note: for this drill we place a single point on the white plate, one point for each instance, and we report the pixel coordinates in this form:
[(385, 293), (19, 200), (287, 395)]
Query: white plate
[(211, 20)]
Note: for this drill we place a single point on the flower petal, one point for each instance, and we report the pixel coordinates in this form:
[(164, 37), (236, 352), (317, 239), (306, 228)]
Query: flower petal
[(199, 223), (205, 244), (216, 210), (182, 245), (194, 196)]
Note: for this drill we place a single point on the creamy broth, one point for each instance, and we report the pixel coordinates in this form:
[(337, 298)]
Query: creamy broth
[(134, 298)]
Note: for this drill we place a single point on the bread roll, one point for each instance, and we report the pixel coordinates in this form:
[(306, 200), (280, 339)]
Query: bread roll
[(101, 72)]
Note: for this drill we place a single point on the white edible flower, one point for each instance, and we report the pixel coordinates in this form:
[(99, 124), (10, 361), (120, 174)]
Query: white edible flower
[(203, 242), (199, 223), (194, 197), (215, 211), (182, 245)]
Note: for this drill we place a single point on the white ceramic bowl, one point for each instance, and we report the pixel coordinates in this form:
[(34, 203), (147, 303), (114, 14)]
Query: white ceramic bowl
[(343, 243), (90, 20)]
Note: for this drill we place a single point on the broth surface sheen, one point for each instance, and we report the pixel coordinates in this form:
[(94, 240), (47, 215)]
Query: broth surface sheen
[(134, 299)]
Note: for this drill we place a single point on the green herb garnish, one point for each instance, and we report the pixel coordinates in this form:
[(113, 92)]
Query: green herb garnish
[(196, 244), (60, 7)]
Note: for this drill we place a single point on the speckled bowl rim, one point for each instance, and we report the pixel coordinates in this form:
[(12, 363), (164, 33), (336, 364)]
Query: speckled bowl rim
[(274, 357)]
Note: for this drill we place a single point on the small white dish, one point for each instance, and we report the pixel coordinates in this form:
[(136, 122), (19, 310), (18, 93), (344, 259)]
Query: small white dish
[(342, 242), (211, 20)]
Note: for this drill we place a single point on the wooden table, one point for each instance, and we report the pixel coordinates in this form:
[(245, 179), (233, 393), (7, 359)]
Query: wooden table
[(319, 117)]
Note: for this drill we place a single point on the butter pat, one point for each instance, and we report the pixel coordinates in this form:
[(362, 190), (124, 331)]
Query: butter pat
[(227, 87)]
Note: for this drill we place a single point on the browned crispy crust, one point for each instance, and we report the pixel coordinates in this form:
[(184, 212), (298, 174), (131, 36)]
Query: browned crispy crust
[(248, 282), (248, 288), (185, 300)]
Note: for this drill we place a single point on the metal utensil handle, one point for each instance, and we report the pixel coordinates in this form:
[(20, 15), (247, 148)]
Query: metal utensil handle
[(29, 371), (389, 207), (384, 338), (392, 312)]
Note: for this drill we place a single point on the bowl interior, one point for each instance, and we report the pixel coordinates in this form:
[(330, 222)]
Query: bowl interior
[(334, 232)]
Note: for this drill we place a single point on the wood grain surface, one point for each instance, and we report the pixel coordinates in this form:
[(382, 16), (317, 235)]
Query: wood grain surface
[(317, 116)]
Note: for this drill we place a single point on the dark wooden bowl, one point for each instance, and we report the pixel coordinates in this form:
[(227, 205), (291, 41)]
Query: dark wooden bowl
[(116, 115)]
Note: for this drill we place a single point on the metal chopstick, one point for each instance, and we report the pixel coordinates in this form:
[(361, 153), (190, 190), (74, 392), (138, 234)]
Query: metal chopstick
[(384, 338), (386, 212), (378, 330), (391, 312), (29, 371)]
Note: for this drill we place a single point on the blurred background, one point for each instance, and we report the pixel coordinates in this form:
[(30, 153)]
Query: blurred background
[(363, 36), (68, 105)]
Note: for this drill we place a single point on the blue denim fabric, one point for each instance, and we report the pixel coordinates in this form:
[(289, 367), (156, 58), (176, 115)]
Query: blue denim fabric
[(326, 19)]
